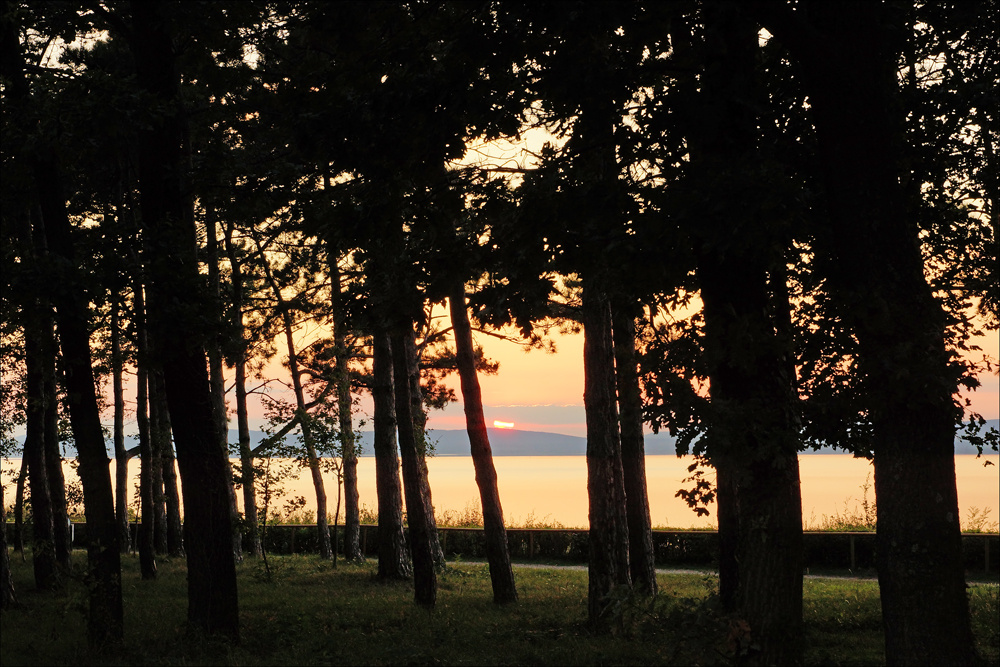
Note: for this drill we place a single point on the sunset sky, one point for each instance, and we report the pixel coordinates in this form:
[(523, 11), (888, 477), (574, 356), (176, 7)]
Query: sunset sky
[(538, 391)]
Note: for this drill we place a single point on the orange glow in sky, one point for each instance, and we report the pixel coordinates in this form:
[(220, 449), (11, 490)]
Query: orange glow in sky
[(500, 424)]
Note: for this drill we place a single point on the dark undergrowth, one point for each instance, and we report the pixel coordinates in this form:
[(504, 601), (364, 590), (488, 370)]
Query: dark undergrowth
[(306, 612)]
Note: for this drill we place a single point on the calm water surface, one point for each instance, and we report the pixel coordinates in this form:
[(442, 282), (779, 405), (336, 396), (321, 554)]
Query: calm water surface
[(553, 489)]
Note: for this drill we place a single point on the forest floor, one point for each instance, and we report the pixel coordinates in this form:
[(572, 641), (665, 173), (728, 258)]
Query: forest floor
[(302, 611)]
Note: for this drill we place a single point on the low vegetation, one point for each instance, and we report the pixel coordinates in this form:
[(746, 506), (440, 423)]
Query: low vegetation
[(307, 612)]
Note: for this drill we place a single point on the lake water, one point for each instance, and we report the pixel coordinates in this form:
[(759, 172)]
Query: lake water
[(553, 489)]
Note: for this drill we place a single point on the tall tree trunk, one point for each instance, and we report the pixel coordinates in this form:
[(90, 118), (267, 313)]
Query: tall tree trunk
[(175, 528), (322, 517), (22, 478), (61, 534), (753, 424), (217, 378), (348, 446), (8, 596), (247, 475), (640, 531), (159, 439), (175, 289), (121, 454), (145, 544), (497, 554), (609, 558), (43, 553), (393, 558), (420, 438), (424, 576), (105, 621), (871, 253)]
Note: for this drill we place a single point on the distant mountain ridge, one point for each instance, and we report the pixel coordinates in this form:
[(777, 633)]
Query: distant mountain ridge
[(515, 442)]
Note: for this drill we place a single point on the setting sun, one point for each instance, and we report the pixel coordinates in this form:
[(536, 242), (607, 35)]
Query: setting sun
[(500, 424)]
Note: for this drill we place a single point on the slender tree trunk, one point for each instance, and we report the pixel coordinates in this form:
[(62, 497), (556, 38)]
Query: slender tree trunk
[(217, 377), (121, 454), (22, 477), (609, 558), (105, 621), (420, 438), (175, 528), (53, 460), (8, 597), (497, 554), (393, 559), (322, 517), (242, 416), (640, 531), (424, 576), (348, 446), (144, 534), (175, 289), (159, 438)]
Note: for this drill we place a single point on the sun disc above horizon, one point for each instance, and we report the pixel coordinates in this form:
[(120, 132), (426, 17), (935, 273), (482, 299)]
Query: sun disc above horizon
[(500, 424)]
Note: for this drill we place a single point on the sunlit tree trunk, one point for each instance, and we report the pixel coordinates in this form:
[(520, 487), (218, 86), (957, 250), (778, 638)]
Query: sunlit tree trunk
[(121, 453), (393, 558), (159, 439), (497, 553), (8, 596), (145, 543)]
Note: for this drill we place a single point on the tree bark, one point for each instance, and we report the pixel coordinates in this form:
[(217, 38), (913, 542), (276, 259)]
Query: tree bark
[(61, 535), (175, 528), (753, 423), (121, 454), (43, 553), (640, 530), (609, 558), (8, 596), (348, 446), (159, 439), (420, 438), (497, 554), (393, 560), (22, 478), (424, 575), (145, 543), (175, 289), (242, 415), (870, 251)]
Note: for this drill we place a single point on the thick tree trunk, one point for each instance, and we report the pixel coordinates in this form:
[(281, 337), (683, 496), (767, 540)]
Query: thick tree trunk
[(497, 554), (420, 438), (424, 576), (753, 424), (609, 558), (43, 552), (348, 446), (175, 289), (640, 530), (871, 253), (393, 559)]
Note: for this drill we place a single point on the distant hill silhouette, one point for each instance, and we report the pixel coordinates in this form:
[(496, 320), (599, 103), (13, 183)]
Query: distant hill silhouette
[(515, 442)]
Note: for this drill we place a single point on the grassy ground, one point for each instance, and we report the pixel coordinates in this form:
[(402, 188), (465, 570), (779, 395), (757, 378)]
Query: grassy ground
[(308, 613)]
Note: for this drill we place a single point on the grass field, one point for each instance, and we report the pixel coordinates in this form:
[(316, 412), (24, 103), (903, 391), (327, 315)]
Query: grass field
[(306, 612)]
